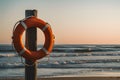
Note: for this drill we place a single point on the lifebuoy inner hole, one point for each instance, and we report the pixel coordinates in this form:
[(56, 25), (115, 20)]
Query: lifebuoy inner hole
[(40, 38)]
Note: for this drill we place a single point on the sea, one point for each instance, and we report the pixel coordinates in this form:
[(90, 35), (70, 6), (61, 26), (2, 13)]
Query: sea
[(65, 60)]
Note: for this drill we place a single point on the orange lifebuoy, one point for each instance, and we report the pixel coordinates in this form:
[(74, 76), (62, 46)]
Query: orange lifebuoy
[(17, 38)]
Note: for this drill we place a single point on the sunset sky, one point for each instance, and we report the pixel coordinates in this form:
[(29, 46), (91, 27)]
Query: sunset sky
[(72, 21)]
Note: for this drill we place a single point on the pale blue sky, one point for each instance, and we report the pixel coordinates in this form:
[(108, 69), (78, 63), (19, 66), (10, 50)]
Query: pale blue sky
[(72, 21)]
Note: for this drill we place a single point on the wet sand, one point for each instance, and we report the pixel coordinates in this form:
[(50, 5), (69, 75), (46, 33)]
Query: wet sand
[(67, 78)]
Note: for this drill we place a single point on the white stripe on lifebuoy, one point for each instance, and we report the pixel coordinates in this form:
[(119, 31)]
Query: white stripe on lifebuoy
[(22, 51), (23, 24), (45, 50), (45, 27)]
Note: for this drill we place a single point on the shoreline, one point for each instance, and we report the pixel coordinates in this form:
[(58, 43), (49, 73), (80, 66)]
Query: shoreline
[(67, 78)]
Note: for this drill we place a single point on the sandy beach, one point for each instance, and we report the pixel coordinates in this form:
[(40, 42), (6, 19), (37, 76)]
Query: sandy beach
[(69, 78), (83, 78)]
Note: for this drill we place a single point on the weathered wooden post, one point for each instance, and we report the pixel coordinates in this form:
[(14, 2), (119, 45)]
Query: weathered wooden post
[(31, 44)]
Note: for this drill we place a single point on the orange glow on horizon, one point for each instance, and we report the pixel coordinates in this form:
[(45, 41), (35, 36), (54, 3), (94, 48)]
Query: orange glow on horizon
[(75, 22)]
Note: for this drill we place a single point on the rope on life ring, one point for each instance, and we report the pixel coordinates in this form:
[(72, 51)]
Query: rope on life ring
[(26, 23)]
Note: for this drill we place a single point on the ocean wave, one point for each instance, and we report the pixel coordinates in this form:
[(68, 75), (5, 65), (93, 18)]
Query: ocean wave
[(70, 54), (8, 55), (84, 54), (82, 64), (71, 48), (114, 63), (85, 49), (11, 65)]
